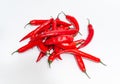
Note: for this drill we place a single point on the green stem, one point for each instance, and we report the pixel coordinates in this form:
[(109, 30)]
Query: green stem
[(87, 74), (14, 52), (103, 63), (49, 62)]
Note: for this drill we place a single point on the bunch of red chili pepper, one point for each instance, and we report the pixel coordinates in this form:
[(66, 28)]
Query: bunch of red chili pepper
[(58, 36)]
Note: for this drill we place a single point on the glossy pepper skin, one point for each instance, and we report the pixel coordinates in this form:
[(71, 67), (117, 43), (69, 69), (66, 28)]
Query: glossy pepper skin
[(57, 33), (26, 47), (71, 45), (89, 37), (37, 22), (39, 29), (73, 21), (59, 39), (83, 54)]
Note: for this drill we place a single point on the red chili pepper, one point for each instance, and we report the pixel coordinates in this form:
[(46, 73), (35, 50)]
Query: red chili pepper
[(26, 47), (89, 37), (81, 64), (59, 39), (42, 27), (36, 22), (73, 21), (57, 32), (83, 54), (40, 56), (40, 22)]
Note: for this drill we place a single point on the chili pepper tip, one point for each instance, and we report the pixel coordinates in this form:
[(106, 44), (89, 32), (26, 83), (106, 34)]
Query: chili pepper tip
[(14, 52), (49, 62), (103, 63), (87, 74)]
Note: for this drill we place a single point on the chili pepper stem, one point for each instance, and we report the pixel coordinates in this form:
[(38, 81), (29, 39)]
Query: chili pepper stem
[(26, 25), (49, 62), (87, 74), (14, 52), (103, 63), (88, 20), (80, 33)]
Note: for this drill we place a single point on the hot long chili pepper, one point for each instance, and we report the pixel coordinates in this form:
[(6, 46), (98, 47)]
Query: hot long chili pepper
[(90, 35), (83, 54), (40, 22), (40, 56), (73, 21), (42, 27), (81, 64), (35, 22), (26, 47), (56, 33), (59, 39)]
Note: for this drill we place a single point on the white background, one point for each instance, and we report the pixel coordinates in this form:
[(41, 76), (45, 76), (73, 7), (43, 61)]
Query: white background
[(22, 68)]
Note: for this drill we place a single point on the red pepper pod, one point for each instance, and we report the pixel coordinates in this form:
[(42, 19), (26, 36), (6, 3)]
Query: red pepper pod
[(57, 32), (83, 54), (43, 26), (59, 39), (26, 47), (37, 22), (39, 29), (80, 62), (73, 21), (89, 37)]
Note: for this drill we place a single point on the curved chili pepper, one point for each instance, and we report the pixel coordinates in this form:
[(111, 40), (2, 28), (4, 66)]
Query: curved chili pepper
[(81, 64), (89, 37), (73, 21), (59, 39), (83, 54)]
